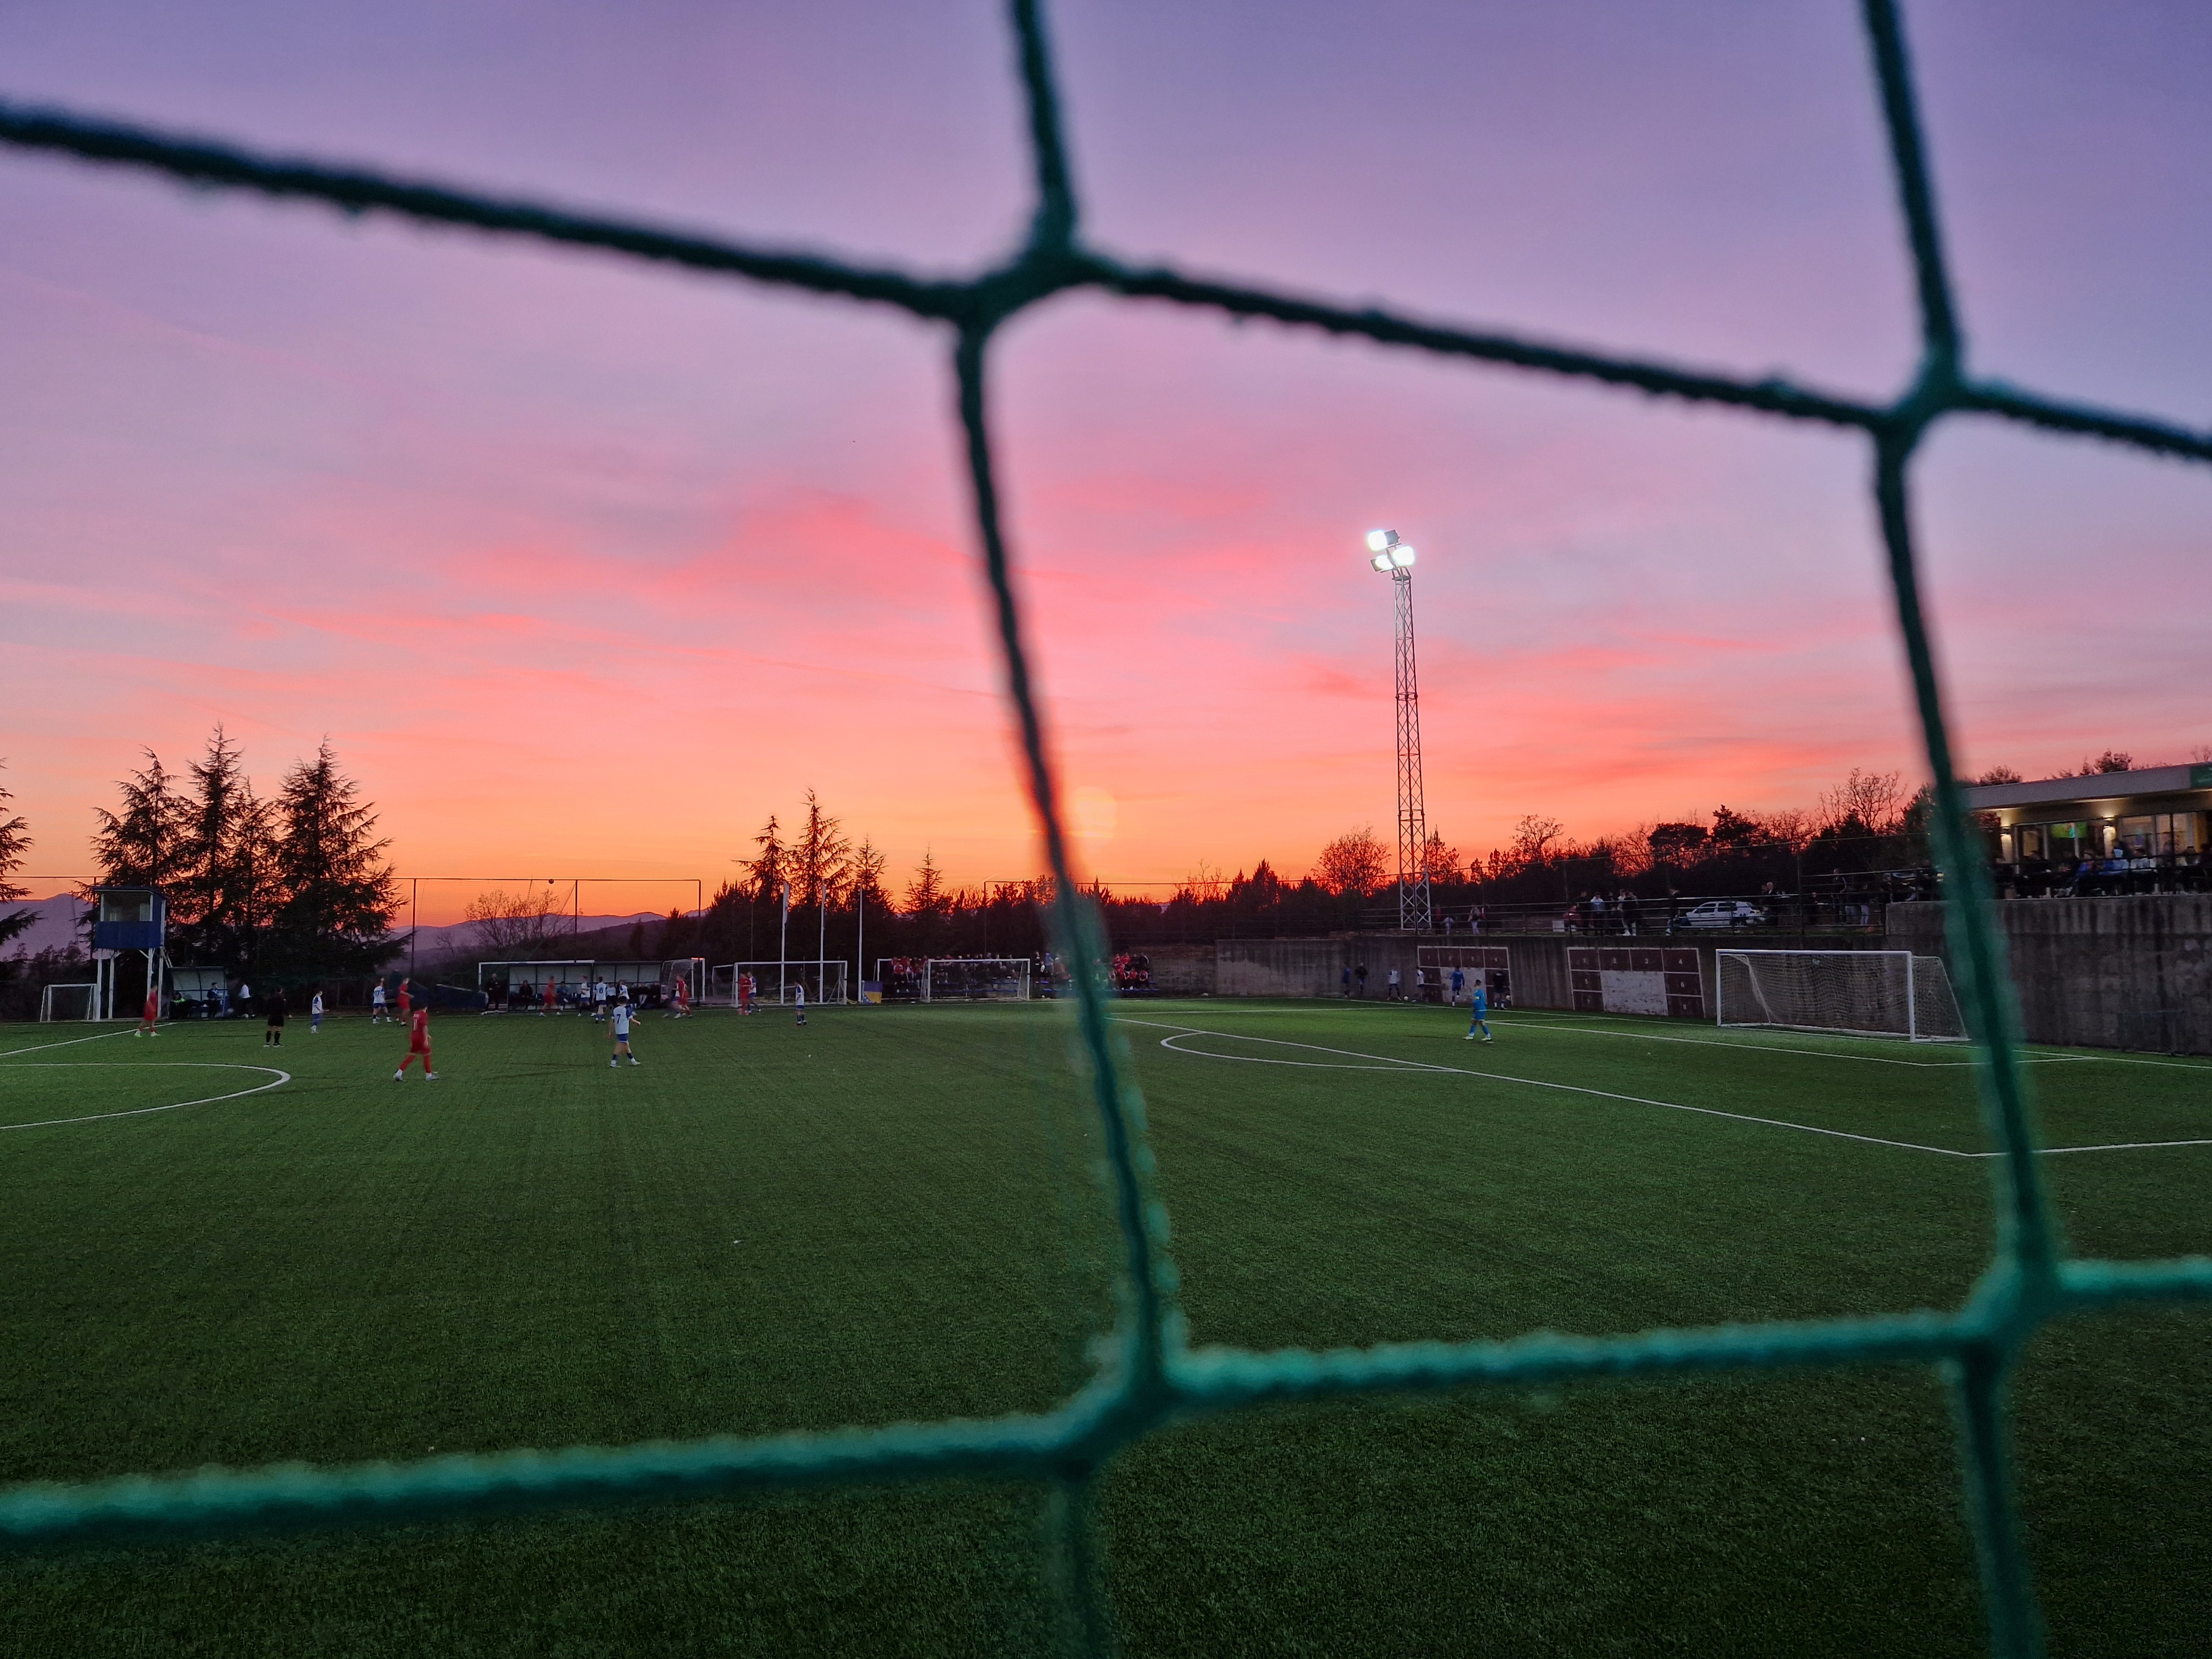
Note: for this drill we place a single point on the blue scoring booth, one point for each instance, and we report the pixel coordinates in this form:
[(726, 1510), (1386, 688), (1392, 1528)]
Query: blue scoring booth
[(128, 920)]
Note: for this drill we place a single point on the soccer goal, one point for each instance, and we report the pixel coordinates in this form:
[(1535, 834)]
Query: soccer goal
[(976, 978), (70, 1002), (1888, 994), (779, 983)]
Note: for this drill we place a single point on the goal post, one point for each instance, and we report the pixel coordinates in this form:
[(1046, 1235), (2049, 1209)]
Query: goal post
[(976, 978), (1883, 994), (69, 1002), (779, 983)]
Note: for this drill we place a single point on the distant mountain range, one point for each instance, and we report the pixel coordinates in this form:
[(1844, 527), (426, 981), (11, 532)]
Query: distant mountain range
[(60, 918)]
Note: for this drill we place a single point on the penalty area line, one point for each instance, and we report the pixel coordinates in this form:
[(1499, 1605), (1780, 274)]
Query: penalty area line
[(36, 1047), (1395, 1063), (1391, 1063), (281, 1078)]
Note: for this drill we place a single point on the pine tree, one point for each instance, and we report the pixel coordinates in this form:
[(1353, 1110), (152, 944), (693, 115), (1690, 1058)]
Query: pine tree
[(143, 845), (14, 842), (334, 896), (769, 871), (225, 888), (925, 894), (818, 862), (866, 883)]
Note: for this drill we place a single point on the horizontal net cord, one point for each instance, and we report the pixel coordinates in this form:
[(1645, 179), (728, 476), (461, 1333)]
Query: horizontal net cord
[(1080, 1435), (1033, 275)]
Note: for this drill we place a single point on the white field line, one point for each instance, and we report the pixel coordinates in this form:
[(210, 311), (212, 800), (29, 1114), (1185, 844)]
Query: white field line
[(282, 1078), (1532, 1020), (32, 1049), (1392, 1063)]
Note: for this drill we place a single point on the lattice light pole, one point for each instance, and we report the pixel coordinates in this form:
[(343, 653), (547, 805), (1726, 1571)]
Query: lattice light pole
[(1395, 559)]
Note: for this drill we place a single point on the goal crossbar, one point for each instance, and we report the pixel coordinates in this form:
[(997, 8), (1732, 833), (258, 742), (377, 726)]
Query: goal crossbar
[(1883, 993)]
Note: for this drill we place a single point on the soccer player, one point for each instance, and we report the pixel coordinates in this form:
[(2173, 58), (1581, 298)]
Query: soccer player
[(801, 989), (552, 992), (1392, 993), (272, 1035), (1458, 984), (152, 1013), (406, 997), (744, 993), (682, 1010), (315, 1015), (1478, 1005), (376, 1014), (618, 1021), (418, 1042)]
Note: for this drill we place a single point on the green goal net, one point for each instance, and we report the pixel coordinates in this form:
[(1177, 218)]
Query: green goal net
[(1152, 1376)]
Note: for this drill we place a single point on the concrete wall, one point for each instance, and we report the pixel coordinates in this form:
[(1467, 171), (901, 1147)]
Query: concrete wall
[(1541, 974), (1182, 970), (2106, 972)]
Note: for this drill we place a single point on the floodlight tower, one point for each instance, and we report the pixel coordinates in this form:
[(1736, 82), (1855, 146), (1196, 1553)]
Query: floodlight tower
[(1395, 559)]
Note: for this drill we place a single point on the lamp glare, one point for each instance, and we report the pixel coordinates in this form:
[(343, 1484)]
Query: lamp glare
[(1379, 540)]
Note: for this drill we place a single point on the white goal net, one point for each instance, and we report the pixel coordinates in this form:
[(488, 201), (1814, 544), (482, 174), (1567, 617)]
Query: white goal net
[(70, 1002), (777, 984), (976, 978), (1890, 993)]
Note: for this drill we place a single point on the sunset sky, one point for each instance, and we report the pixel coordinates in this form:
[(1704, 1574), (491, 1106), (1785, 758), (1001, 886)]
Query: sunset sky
[(585, 567)]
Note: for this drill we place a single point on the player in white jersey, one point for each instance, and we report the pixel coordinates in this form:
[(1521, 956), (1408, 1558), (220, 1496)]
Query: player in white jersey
[(376, 1005), (801, 989), (618, 1016)]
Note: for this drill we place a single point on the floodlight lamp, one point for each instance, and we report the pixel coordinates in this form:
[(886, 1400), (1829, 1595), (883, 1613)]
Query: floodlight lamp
[(1379, 541), (1382, 562), (1401, 555)]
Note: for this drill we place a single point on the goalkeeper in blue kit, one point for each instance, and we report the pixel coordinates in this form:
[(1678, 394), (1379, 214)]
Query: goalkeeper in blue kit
[(1478, 1006)]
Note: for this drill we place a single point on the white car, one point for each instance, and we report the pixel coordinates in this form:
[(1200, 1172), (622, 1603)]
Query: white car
[(1725, 913)]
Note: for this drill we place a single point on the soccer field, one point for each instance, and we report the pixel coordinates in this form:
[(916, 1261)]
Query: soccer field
[(894, 1214)]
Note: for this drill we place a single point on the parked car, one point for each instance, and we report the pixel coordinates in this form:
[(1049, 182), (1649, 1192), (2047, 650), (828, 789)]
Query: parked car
[(1725, 913)]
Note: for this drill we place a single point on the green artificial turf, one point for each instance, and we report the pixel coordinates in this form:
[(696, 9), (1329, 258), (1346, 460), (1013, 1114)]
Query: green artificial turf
[(894, 1214)]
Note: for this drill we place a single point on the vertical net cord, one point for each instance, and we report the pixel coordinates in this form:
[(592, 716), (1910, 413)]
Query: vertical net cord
[(2020, 1285), (1119, 1109), (1083, 1624)]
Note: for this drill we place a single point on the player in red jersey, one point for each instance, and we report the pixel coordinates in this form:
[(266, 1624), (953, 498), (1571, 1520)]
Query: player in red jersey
[(405, 999), (418, 1042), (147, 1027), (682, 1000)]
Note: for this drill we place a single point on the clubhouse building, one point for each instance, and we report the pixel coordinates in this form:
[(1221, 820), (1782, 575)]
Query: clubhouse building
[(2155, 820)]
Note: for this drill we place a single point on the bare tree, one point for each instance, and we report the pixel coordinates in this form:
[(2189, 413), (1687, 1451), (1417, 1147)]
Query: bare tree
[(1533, 838), (515, 924), (1353, 864), (1865, 803), (1440, 861)]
